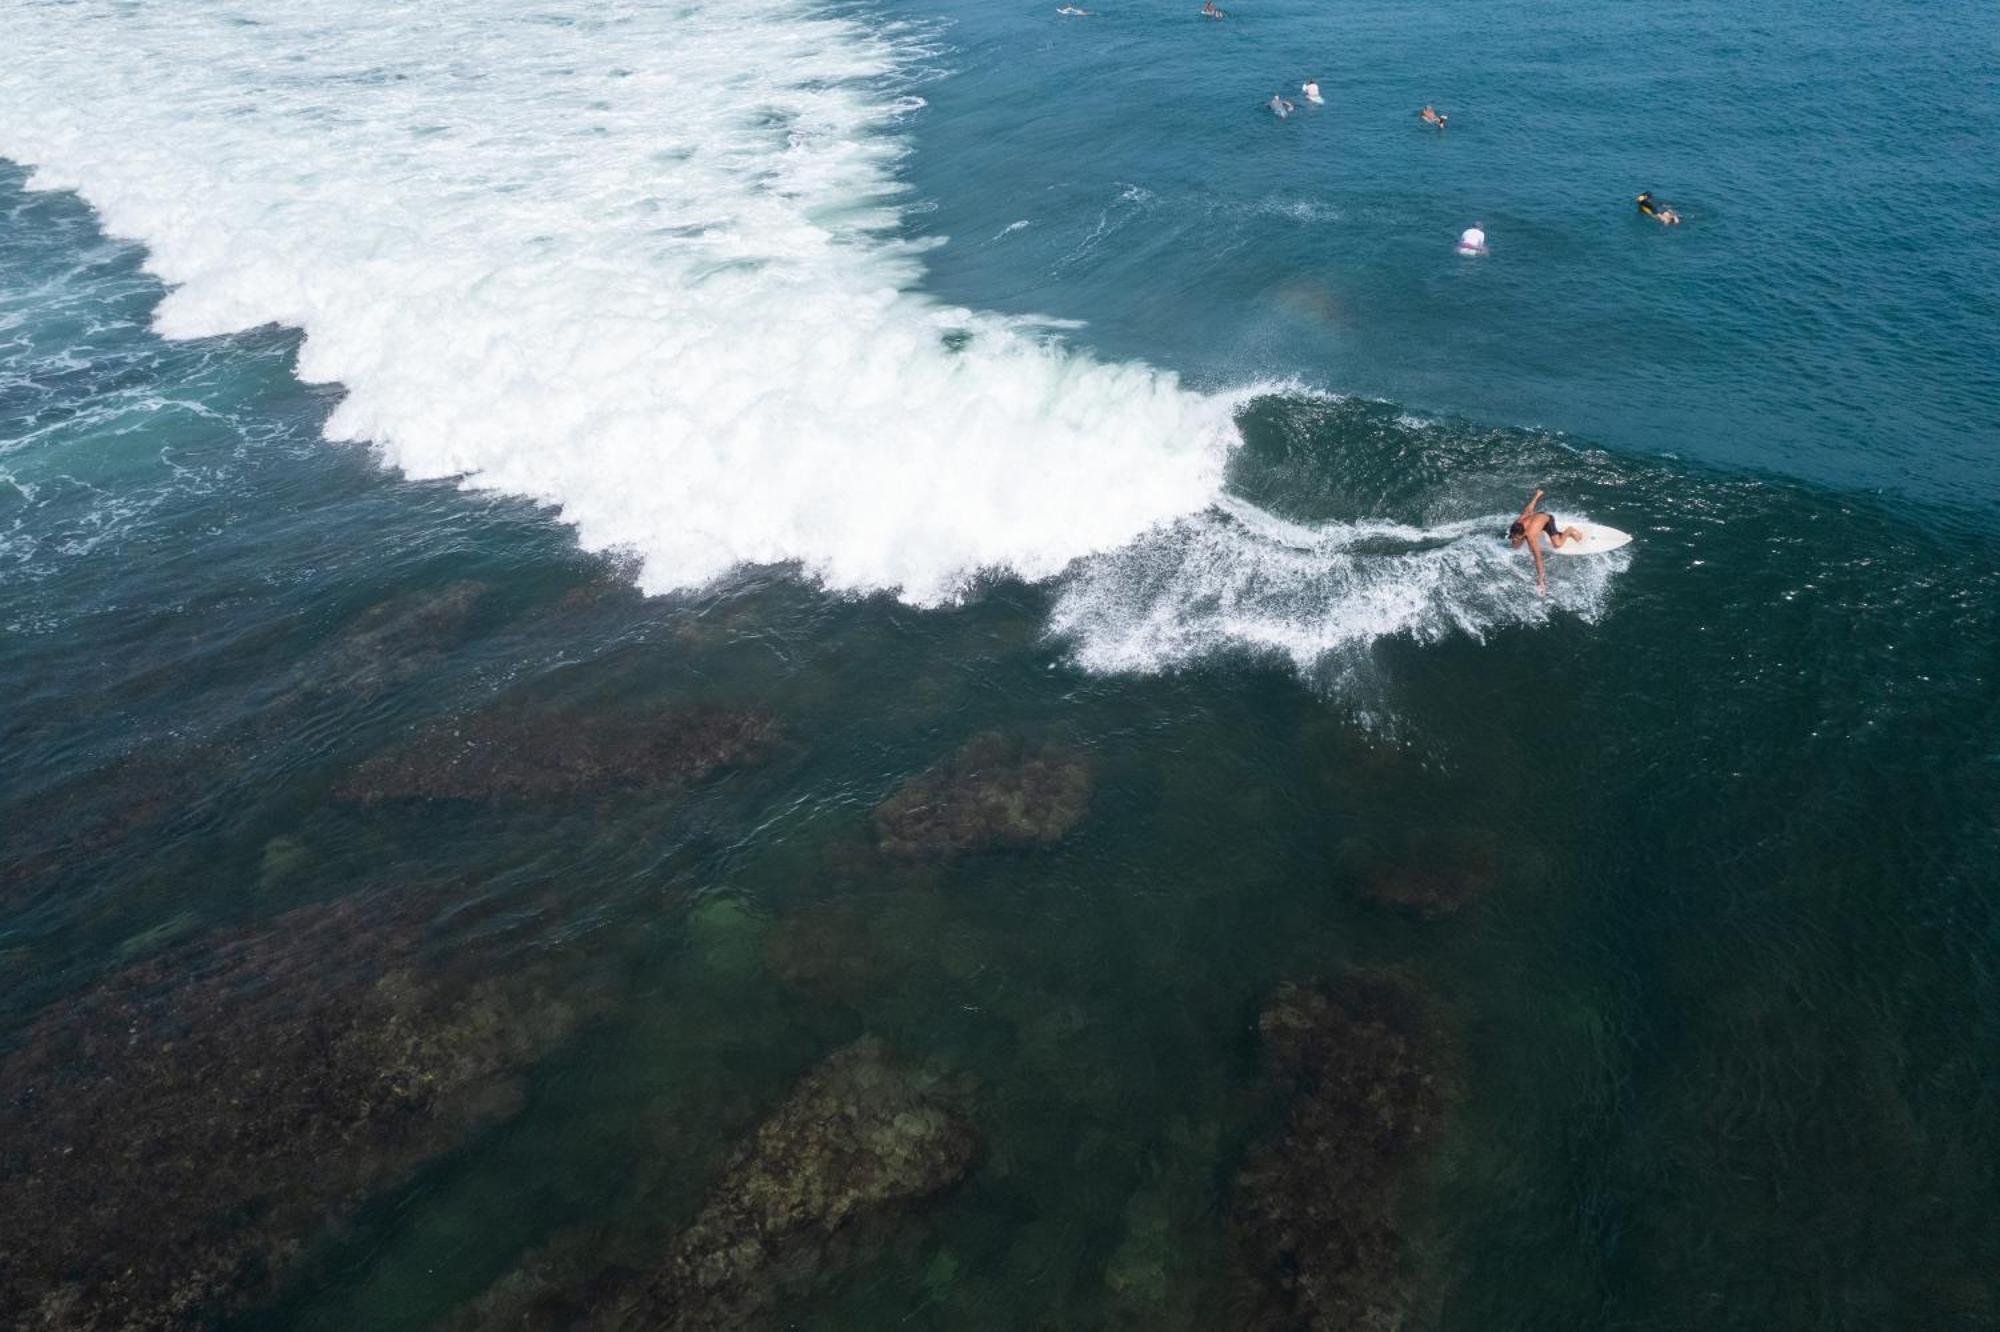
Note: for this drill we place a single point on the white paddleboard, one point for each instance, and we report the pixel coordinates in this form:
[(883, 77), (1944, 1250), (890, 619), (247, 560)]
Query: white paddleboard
[(1597, 538)]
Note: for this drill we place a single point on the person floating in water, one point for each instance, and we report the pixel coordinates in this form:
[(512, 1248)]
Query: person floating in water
[(1311, 90), (1208, 10), (1532, 525), (1432, 116), (1279, 106), (1472, 240), (1656, 210)]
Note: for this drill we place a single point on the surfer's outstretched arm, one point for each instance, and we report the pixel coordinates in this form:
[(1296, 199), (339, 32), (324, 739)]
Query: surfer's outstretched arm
[(1529, 507), (1541, 573)]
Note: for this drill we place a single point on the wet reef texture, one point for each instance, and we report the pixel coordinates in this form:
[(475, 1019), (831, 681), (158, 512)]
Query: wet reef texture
[(858, 1138), (1434, 874), (171, 1140), (393, 641), (513, 753), (87, 820), (992, 794), (1361, 1072), (858, 1142)]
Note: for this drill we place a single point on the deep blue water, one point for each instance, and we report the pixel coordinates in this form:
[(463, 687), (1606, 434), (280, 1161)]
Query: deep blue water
[(1720, 1003), (1826, 311)]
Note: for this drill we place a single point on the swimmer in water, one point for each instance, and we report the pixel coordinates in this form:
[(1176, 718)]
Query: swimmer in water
[(1431, 116), (1656, 210), (1208, 10), (1472, 240), (1531, 527), (1279, 106), (1311, 89)]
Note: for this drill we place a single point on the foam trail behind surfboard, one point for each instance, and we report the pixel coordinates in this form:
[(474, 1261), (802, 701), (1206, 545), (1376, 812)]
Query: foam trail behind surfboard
[(1237, 579)]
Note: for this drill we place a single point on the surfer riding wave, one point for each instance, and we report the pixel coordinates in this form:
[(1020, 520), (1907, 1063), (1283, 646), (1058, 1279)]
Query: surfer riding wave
[(1531, 525)]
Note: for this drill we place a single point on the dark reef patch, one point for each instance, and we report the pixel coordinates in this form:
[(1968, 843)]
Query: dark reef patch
[(393, 641), (993, 793), (859, 1141), (832, 951), (1433, 874), (512, 753), (858, 1138), (1361, 1070), (172, 1139)]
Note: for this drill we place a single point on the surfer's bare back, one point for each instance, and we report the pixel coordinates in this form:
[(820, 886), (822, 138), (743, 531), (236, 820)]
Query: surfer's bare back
[(1531, 525)]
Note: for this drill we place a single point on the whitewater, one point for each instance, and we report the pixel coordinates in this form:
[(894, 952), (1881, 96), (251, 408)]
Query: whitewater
[(640, 263)]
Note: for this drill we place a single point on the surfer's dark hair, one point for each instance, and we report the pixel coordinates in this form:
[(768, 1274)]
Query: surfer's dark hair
[(1517, 528)]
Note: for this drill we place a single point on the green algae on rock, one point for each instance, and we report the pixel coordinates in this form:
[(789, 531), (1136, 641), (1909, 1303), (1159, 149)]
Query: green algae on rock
[(993, 793), (856, 1143), (726, 939), (172, 1139), (858, 1138), (1362, 1071), (508, 752)]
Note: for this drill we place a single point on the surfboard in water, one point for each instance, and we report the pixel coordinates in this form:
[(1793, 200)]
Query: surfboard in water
[(1597, 538)]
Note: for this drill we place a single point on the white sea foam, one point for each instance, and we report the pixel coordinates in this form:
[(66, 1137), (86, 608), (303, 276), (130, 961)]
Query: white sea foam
[(1237, 579), (632, 260), (638, 262)]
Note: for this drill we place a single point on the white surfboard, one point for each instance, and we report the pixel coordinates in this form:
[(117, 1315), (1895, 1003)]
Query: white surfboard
[(1597, 538)]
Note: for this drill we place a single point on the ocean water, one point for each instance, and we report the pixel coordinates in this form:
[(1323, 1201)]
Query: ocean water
[(910, 373)]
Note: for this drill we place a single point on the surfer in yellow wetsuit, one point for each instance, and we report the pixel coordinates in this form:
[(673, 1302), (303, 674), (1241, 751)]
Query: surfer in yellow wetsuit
[(1531, 525)]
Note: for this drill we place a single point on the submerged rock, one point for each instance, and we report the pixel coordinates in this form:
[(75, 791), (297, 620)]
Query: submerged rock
[(94, 818), (857, 1139), (508, 752), (284, 858), (857, 1143), (993, 793), (1362, 1072), (1434, 875), (172, 1139), (390, 642), (727, 939), (831, 951)]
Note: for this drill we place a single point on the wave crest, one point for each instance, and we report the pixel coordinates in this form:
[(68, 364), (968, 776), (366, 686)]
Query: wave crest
[(639, 265)]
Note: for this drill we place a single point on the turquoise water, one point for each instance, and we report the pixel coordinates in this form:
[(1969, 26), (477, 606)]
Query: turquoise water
[(1692, 864), (1825, 312)]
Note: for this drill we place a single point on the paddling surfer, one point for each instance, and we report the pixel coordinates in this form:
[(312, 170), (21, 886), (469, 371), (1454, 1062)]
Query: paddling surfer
[(1659, 212), (1531, 525)]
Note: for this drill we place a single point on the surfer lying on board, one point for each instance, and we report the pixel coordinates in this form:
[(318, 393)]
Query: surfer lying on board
[(1656, 210), (1209, 10), (1531, 525), (1432, 116)]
